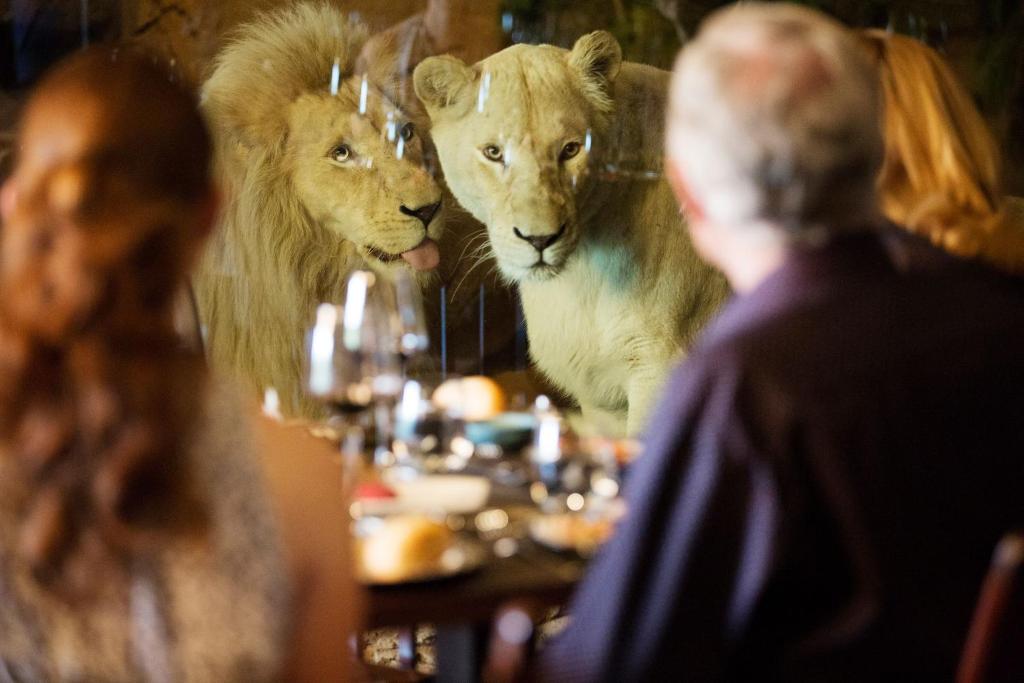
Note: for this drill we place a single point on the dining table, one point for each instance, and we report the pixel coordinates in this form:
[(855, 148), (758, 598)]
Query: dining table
[(461, 608)]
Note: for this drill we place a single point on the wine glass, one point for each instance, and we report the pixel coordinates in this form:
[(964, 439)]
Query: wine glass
[(563, 472), (418, 428), (410, 322), (349, 348), (428, 437), (351, 360)]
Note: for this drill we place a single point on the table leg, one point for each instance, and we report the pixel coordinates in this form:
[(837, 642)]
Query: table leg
[(460, 652)]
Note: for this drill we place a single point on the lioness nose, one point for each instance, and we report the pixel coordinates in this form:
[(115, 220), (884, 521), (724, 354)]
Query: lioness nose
[(425, 213), (540, 242)]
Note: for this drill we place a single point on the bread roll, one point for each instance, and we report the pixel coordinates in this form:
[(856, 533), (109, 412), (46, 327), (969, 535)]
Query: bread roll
[(405, 547), (474, 398)]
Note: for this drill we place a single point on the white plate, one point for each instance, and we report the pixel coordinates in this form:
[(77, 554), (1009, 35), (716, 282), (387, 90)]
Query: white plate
[(451, 494), (462, 557)]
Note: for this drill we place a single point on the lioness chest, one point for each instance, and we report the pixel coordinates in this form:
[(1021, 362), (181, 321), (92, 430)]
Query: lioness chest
[(574, 332)]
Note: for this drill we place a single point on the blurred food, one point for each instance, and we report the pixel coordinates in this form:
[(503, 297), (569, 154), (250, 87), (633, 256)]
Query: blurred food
[(524, 386), (404, 547), (374, 490), (581, 533), (474, 398), (622, 451)]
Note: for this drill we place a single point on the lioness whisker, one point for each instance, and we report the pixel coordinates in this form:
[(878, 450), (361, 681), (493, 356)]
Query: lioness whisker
[(466, 275), (469, 241)]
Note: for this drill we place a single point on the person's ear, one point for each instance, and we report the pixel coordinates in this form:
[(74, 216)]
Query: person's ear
[(701, 234), (677, 181), (8, 197)]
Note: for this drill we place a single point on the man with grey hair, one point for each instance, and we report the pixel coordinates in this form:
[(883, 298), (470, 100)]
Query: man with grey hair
[(829, 470), (774, 122)]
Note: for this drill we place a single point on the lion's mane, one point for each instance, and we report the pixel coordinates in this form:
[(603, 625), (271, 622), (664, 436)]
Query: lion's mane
[(270, 263)]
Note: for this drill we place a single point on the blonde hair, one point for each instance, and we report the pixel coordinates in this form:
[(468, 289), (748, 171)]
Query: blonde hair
[(941, 177)]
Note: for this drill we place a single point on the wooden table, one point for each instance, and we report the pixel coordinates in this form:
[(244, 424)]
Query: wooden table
[(534, 572)]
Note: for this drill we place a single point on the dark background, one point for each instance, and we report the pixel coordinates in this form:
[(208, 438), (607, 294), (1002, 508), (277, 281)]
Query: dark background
[(983, 40)]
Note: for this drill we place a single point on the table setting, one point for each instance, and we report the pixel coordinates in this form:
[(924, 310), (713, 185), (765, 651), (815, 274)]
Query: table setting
[(458, 504)]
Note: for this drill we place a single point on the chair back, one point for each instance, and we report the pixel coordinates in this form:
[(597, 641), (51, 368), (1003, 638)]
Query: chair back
[(513, 633), (994, 650)]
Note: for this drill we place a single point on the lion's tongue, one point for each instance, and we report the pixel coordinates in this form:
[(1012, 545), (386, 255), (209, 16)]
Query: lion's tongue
[(423, 257)]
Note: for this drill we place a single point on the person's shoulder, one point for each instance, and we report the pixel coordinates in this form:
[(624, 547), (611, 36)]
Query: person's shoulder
[(916, 258), (750, 334), (304, 476), (911, 253), (957, 281), (714, 371), (300, 471), (222, 443)]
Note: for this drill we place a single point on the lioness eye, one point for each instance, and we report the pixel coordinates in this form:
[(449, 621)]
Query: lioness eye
[(408, 131), (341, 153), (570, 150), (492, 152)]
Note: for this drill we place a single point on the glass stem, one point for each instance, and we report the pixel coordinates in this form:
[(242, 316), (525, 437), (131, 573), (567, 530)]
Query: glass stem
[(384, 432)]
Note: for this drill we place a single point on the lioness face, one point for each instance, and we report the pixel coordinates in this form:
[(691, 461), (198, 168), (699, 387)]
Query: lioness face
[(356, 164), (514, 134)]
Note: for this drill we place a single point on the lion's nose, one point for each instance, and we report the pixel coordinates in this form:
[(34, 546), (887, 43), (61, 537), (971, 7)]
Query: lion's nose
[(540, 242), (425, 213)]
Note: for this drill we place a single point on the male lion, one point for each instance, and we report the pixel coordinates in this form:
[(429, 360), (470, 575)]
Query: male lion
[(533, 142), (323, 175)]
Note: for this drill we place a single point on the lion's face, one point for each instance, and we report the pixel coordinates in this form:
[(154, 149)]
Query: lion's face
[(356, 164), (514, 134)]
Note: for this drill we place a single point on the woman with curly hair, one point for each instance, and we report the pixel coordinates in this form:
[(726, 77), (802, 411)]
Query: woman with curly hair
[(141, 538), (941, 176)]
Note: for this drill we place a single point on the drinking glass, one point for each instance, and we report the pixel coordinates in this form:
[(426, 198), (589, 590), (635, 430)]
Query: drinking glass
[(352, 365), (409, 323), (428, 438), (350, 349), (556, 475), (570, 472)]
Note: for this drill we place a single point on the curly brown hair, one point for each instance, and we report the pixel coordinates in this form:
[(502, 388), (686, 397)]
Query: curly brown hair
[(97, 394)]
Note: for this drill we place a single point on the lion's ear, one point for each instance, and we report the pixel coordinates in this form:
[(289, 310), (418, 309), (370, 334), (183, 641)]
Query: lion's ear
[(597, 57), (380, 60), (443, 83)]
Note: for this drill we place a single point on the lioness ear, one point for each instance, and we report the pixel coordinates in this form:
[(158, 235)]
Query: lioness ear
[(597, 58), (442, 83)]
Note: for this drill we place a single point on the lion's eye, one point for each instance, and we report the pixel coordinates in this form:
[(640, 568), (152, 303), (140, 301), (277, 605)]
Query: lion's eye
[(408, 132), (570, 150), (341, 153), (492, 152)]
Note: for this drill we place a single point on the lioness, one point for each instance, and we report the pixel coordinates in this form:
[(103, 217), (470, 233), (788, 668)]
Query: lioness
[(532, 141), (323, 175)]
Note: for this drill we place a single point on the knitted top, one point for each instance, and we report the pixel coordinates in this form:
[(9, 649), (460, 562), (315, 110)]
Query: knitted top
[(210, 610)]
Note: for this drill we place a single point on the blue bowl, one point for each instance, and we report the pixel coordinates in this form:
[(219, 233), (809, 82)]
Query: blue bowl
[(511, 431)]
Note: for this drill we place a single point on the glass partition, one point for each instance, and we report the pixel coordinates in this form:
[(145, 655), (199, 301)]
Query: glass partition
[(522, 186)]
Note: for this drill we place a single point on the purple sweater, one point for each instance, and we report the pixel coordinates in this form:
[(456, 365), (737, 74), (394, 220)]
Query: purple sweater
[(825, 480)]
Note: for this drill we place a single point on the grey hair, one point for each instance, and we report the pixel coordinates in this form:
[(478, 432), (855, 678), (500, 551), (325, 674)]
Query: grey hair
[(774, 117)]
